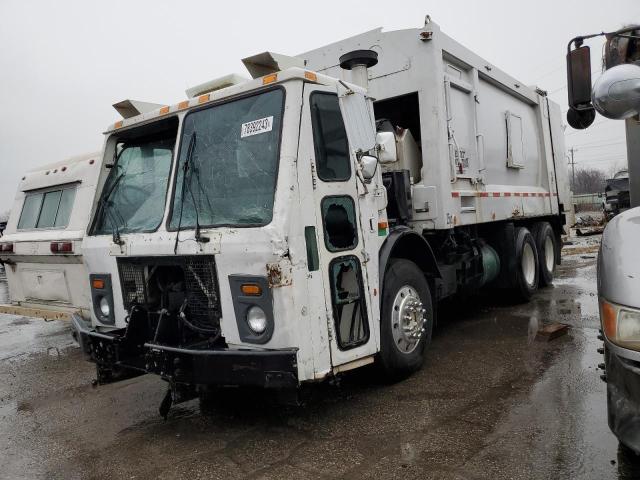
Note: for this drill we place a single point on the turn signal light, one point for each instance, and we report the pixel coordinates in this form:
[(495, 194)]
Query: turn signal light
[(61, 247), (97, 283), (251, 289), (6, 247)]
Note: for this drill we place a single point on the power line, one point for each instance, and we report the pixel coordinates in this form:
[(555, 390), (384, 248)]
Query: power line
[(586, 145)]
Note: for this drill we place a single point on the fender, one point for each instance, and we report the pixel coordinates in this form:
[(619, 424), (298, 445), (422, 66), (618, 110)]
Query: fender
[(403, 242)]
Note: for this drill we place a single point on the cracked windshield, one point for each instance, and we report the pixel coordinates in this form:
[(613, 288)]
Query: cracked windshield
[(228, 163), (133, 197)]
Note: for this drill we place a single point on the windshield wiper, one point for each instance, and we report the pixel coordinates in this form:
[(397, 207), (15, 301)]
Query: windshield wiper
[(105, 210), (185, 171)]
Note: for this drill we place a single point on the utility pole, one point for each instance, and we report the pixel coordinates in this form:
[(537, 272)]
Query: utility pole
[(573, 168)]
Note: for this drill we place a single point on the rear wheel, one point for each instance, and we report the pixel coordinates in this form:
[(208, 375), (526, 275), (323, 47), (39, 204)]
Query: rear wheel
[(527, 271), (406, 321), (546, 244)]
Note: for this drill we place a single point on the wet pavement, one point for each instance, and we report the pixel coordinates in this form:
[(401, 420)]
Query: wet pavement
[(490, 403)]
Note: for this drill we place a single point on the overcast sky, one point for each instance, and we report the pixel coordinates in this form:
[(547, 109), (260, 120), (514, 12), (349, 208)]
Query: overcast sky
[(64, 63)]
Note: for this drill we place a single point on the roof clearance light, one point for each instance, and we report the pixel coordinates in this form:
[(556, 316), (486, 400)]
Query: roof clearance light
[(311, 76), (267, 79), (203, 98), (182, 105), (118, 124), (164, 110)]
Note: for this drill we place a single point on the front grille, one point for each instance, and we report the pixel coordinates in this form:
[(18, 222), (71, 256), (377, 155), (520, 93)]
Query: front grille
[(202, 289), (200, 284)]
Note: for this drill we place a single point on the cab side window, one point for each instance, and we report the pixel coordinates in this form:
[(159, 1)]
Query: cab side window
[(50, 209), (330, 138)]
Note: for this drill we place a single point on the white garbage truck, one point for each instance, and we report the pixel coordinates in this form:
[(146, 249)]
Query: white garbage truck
[(283, 229)]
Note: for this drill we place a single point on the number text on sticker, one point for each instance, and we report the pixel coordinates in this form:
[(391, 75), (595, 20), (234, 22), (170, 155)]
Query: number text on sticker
[(256, 126)]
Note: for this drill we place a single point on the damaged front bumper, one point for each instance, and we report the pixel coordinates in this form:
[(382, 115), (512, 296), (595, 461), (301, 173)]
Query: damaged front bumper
[(623, 394), (117, 358)]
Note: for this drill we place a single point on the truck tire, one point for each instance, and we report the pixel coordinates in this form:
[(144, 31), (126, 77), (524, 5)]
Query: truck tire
[(406, 321), (546, 244), (527, 271)]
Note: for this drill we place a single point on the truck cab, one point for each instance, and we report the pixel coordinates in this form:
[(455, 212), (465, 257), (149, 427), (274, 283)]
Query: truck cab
[(41, 247), (200, 268)]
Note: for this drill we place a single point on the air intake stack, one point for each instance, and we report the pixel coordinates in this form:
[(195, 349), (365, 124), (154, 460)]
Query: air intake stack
[(359, 61)]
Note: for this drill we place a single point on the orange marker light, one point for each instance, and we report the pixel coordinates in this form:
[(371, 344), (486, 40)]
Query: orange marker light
[(609, 319), (97, 283), (164, 110), (118, 124), (251, 289), (203, 98), (267, 79), (182, 105), (311, 76)]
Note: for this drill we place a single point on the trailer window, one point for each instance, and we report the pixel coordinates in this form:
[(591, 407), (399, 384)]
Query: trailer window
[(330, 138), (50, 209)]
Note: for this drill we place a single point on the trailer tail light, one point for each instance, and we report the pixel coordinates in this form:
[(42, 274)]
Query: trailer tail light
[(6, 247), (61, 247)]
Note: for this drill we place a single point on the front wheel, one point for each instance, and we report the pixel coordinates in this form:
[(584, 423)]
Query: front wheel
[(406, 321)]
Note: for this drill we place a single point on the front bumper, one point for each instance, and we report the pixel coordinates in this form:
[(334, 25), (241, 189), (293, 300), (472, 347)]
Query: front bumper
[(623, 394), (117, 358)]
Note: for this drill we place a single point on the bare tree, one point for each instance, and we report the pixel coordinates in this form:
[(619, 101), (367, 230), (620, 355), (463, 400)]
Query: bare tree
[(589, 180)]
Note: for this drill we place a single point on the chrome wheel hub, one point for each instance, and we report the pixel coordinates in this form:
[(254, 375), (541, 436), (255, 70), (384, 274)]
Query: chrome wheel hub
[(528, 264), (549, 254), (407, 319)]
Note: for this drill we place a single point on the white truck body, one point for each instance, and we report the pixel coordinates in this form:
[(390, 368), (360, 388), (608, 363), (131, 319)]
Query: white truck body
[(257, 244), (51, 208), (509, 135)]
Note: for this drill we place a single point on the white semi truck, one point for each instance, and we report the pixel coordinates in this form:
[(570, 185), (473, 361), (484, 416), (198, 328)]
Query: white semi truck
[(284, 229)]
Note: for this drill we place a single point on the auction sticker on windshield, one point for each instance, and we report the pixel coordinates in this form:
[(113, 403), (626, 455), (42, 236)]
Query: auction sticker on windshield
[(255, 127)]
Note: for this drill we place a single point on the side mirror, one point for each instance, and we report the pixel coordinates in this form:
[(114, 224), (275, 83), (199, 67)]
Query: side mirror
[(581, 113), (368, 165), (387, 151)]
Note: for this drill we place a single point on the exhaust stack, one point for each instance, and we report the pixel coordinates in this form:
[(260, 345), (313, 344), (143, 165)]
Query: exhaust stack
[(358, 61)]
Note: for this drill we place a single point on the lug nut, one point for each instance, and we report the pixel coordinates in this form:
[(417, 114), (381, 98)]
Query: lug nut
[(601, 350), (601, 366)]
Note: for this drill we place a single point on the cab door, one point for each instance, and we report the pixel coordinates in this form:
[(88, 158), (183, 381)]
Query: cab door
[(343, 224)]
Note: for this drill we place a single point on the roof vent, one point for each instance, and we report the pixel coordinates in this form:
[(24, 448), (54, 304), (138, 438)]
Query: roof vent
[(268, 62), (216, 84), (131, 108)]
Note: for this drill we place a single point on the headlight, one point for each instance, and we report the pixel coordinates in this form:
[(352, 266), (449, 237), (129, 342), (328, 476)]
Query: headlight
[(104, 307), (621, 325), (257, 320)]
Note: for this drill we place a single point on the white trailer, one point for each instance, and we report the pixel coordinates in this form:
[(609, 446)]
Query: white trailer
[(287, 228), (41, 247)]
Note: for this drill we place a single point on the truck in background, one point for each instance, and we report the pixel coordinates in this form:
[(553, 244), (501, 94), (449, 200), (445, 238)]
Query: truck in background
[(284, 229), (41, 247), (616, 95), (616, 195)]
